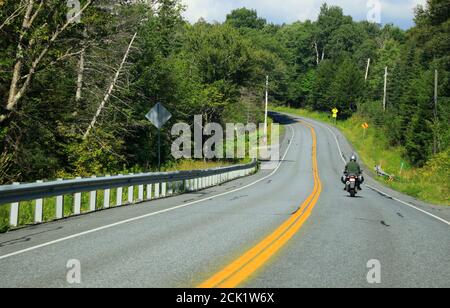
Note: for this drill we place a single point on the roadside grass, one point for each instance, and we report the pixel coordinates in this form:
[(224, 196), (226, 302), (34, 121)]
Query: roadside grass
[(430, 183)]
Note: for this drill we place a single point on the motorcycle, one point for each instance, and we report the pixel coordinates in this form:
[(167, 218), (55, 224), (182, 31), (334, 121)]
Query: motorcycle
[(351, 185)]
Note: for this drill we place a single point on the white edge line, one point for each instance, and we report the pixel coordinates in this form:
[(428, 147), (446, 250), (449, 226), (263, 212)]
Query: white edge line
[(151, 214), (377, 190), (410, 205)]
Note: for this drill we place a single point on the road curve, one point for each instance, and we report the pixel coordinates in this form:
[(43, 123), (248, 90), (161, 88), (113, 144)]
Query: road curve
[(187, 240)]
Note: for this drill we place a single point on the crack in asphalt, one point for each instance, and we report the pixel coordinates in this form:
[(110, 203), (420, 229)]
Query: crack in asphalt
[(385, 224)]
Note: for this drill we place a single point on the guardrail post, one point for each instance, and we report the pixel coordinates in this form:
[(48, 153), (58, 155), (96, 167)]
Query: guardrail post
[(149, 192), (119, 195), (131, 193), (157, 190), (77, 202), (170, 186), (14, 212), (141, 193), (59, 205), (107, 197), (163, 190), (93, 199), (38, 208)]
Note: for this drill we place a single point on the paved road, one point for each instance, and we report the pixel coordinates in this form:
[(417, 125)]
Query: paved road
[(294, 227)]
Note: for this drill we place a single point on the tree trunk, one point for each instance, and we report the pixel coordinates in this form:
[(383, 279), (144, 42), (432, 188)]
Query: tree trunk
[(17, 90), (110, 89), (78, 95), (317, 53), (12, 97)]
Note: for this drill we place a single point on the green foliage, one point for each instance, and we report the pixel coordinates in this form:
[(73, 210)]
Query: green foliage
[(347, 88), (245, 18), (216, 70)]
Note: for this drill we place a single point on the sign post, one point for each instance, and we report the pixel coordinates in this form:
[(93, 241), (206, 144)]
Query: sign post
[(159, 116), (335, 112), (365, 127)]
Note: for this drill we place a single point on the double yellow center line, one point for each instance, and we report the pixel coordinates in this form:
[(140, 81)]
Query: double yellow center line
[(242, 268)]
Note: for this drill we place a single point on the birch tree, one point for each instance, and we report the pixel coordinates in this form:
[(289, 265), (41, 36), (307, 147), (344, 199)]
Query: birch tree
[(32, 24)]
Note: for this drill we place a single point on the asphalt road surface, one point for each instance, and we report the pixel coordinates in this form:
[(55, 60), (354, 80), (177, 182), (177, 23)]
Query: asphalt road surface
[(290, 227)]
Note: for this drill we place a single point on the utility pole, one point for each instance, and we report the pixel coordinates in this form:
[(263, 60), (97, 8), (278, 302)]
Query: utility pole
[(367, 70), (436, 95), (385, 88), (267, 106), (436, 119)]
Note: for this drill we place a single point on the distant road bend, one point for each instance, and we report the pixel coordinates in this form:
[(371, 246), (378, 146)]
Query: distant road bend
[(291, 227)]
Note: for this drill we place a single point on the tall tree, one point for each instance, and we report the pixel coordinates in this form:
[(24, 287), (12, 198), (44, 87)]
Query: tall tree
[(245, 18)]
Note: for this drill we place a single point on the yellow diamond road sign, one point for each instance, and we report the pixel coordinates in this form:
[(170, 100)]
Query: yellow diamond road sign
[(335, 112)]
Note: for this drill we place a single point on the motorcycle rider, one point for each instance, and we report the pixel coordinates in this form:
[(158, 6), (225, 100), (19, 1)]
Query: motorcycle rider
[(353, 168)]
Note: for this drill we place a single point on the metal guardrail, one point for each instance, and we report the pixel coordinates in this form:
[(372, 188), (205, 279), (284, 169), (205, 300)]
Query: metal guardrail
[(153, 185)]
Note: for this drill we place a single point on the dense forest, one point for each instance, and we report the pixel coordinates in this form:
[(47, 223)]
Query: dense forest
[(75, 88)]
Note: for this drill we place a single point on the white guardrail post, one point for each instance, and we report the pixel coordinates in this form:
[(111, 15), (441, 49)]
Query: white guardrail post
[(77, 202), (131, 193), (59, 205), (107, 196), (163, 190), (38, 209), (14, 213), (93, 199), (149, 192), (119, 195), (157, 190), (140, 193)]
